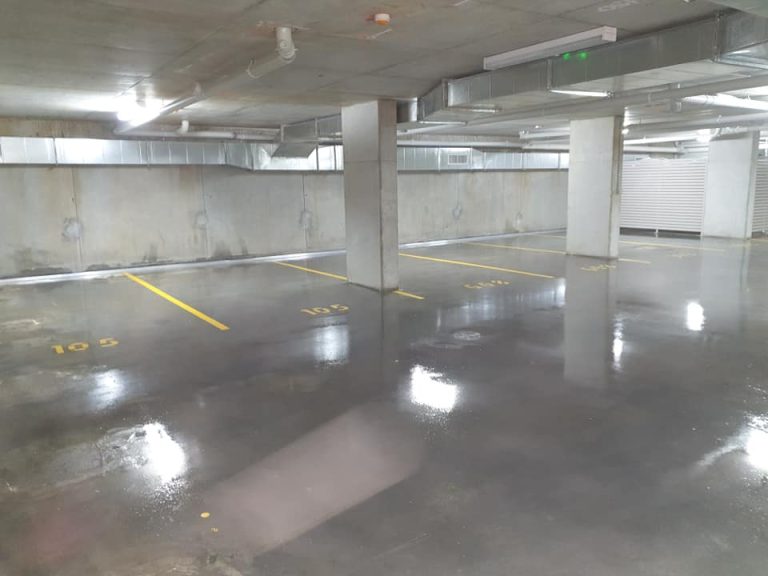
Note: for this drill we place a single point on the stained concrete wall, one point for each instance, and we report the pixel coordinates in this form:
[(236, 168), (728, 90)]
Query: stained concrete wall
[(38, 216), (462, 204), (139, 215), (80, 218)]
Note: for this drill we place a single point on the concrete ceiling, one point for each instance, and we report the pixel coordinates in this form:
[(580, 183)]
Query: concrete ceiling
[(78, 59)]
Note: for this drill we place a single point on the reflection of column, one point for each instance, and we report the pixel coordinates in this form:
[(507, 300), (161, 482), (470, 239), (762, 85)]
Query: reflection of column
[(724, 292), (374, 343), (592, 346)]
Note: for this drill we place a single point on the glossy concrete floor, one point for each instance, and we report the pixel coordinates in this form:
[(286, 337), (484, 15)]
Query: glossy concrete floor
[(592, 420)]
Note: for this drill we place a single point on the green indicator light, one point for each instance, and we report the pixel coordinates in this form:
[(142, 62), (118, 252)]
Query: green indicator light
[(583, 55), (567, 56)]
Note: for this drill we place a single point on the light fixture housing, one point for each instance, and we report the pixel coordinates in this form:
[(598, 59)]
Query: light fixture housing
[(583, 93), (566, 44)]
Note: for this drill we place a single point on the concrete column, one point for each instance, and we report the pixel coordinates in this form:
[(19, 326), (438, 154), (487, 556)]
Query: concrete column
[(370, 192), (729, 200), (594, 179)]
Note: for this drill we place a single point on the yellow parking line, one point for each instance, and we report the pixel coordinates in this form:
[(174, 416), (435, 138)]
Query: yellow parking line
[(177, 302), (473, 265), (676, 246), (312, 271), (635, 243), (343, 278), (546, 251), (520, 248), (408, 295)]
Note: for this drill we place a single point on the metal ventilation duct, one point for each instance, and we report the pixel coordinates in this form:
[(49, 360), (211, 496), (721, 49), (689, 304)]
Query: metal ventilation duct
[(298, 140), (728, 47), (758, 7), (261, 156)]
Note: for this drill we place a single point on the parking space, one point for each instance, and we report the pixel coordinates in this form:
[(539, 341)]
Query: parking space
[(147, 399)]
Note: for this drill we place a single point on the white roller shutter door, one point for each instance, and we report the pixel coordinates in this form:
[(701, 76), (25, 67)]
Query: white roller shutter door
[(760, 221), (664, 194)]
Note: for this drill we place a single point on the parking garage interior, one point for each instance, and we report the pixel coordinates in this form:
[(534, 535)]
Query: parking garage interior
[(392, 288)]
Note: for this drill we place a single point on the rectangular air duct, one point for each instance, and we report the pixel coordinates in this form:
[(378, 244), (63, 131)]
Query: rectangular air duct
[(758, 7), (728, 46)]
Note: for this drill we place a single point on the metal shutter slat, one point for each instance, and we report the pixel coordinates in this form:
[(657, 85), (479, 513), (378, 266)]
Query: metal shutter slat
[(663, 194), (760, 218)]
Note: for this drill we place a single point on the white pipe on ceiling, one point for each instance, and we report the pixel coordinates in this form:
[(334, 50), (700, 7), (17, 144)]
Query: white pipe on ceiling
[(687, 137), (639, 149), (727, 101), (285, 54), (546, 135), (618, 101), (752, 121), (201, 134)]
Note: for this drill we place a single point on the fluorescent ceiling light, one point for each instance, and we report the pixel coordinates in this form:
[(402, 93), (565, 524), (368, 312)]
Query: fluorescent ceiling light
[(704, 136), (135, 114), (564, 45), (585, 93), (760, 91)]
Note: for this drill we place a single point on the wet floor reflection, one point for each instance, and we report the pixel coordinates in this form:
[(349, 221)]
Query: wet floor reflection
[(594, 343), (432, 390), (607, 419)]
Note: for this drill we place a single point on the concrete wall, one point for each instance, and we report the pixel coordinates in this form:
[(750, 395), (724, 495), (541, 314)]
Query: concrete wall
[(80, 218), (435, 206)]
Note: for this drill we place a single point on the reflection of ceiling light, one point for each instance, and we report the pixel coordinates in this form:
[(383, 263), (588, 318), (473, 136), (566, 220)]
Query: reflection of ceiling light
[(585, 93), (331, 344), (165, 457), (757, 448), (428, 389), (618, 344), (382, 19), (694, 318), (563, 45), (108, 390)]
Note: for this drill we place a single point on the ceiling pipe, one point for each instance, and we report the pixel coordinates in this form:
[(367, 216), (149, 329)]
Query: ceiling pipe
[(637, 149), (752, 121), (198, 135), (285, 54), (620, 100), (459, 144), (727, 101), (687, 137), (553, 134)]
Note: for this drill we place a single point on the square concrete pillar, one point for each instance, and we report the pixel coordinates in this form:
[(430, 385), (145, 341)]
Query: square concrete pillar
[(370, 193), (594, 183), (729, 200)]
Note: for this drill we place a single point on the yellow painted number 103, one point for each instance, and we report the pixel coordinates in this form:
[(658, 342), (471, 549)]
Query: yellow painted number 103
[(83, 346)]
